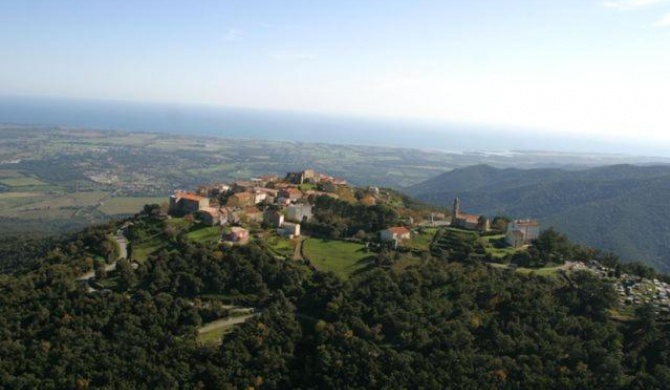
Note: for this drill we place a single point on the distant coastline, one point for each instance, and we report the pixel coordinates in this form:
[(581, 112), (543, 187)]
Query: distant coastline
[(288, 126)]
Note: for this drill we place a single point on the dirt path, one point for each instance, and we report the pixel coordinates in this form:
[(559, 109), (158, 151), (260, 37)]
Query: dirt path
[(123, 254), (297, 254), (224, 323)]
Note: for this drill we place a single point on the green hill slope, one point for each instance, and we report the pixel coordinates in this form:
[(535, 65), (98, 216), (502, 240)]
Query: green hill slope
[(622, 208)]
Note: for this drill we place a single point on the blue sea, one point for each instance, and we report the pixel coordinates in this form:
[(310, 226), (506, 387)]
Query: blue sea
[(288, 126)]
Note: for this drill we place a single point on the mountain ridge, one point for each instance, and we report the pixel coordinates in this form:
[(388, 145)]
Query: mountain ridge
[(619, 207)]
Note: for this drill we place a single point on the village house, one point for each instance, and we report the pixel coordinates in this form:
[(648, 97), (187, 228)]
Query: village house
[(469, 221), (232, 215), (259, 197), (212, 216), (522, 231), (291, 194), (325, 178), (252, 214), (241, 199), (270, 194), (236, 235), (302, 177), (289, 229), (212, 190), (298, 212), (183, 202), (396, 234), (243, 186), (264, 180), (273, 218)]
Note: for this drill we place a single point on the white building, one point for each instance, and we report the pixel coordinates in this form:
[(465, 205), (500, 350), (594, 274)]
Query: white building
[(289, 229), (395, 234), (297, 212), (522, 232)]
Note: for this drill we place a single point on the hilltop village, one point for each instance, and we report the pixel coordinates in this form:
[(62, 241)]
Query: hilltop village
[(285, 204), (299, 204)]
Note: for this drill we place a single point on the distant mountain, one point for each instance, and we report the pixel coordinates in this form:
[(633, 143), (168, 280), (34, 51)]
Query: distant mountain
[(623, 208)]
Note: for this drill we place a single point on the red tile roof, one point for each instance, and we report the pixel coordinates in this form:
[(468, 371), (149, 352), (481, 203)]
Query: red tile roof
[(470, 218), (399, 230), (189, 196)]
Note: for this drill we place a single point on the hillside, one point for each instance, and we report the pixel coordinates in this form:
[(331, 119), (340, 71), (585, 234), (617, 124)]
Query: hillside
[(186, 311), (622, 208)]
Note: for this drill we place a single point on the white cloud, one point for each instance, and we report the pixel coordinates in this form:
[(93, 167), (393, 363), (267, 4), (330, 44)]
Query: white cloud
[(626, 5), (233, 34), (663, 21)]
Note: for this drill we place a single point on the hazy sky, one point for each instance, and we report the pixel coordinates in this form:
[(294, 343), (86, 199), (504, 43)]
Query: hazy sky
[(587, 67)]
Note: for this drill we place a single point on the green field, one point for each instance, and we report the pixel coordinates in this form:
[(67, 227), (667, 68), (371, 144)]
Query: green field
[(281, 246), (128, 205), (14, 199), (214, 336), (493, 247), (39, 205), (206, 235), (202, 234), (422, 240), (343, 258), (547, 271), (22, 182), (142, 250), (76, 199)]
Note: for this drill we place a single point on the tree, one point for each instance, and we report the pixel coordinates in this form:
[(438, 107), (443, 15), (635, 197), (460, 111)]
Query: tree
[(553, 246)]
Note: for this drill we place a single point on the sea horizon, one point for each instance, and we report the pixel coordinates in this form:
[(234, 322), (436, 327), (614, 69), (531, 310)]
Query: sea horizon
[(245, 123)]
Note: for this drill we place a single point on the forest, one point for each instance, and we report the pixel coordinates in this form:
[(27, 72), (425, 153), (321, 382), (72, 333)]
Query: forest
[(450, 321)]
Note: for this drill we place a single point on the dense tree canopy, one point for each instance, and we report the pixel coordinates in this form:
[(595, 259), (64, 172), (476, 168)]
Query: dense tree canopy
[(448, 321)]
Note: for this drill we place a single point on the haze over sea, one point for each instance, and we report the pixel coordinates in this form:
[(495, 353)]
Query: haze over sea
[(200, 120)]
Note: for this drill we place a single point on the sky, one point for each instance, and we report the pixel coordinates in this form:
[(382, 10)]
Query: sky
[(599, 68)]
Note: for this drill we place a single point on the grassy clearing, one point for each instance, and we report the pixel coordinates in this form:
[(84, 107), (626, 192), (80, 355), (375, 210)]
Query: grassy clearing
[(212, 333), (343, 258), (206, 235), (143, 249), (22, 182), (422, 240), (496, 247), (547, 271), (128, 205), (214, 336), (281, 246)]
